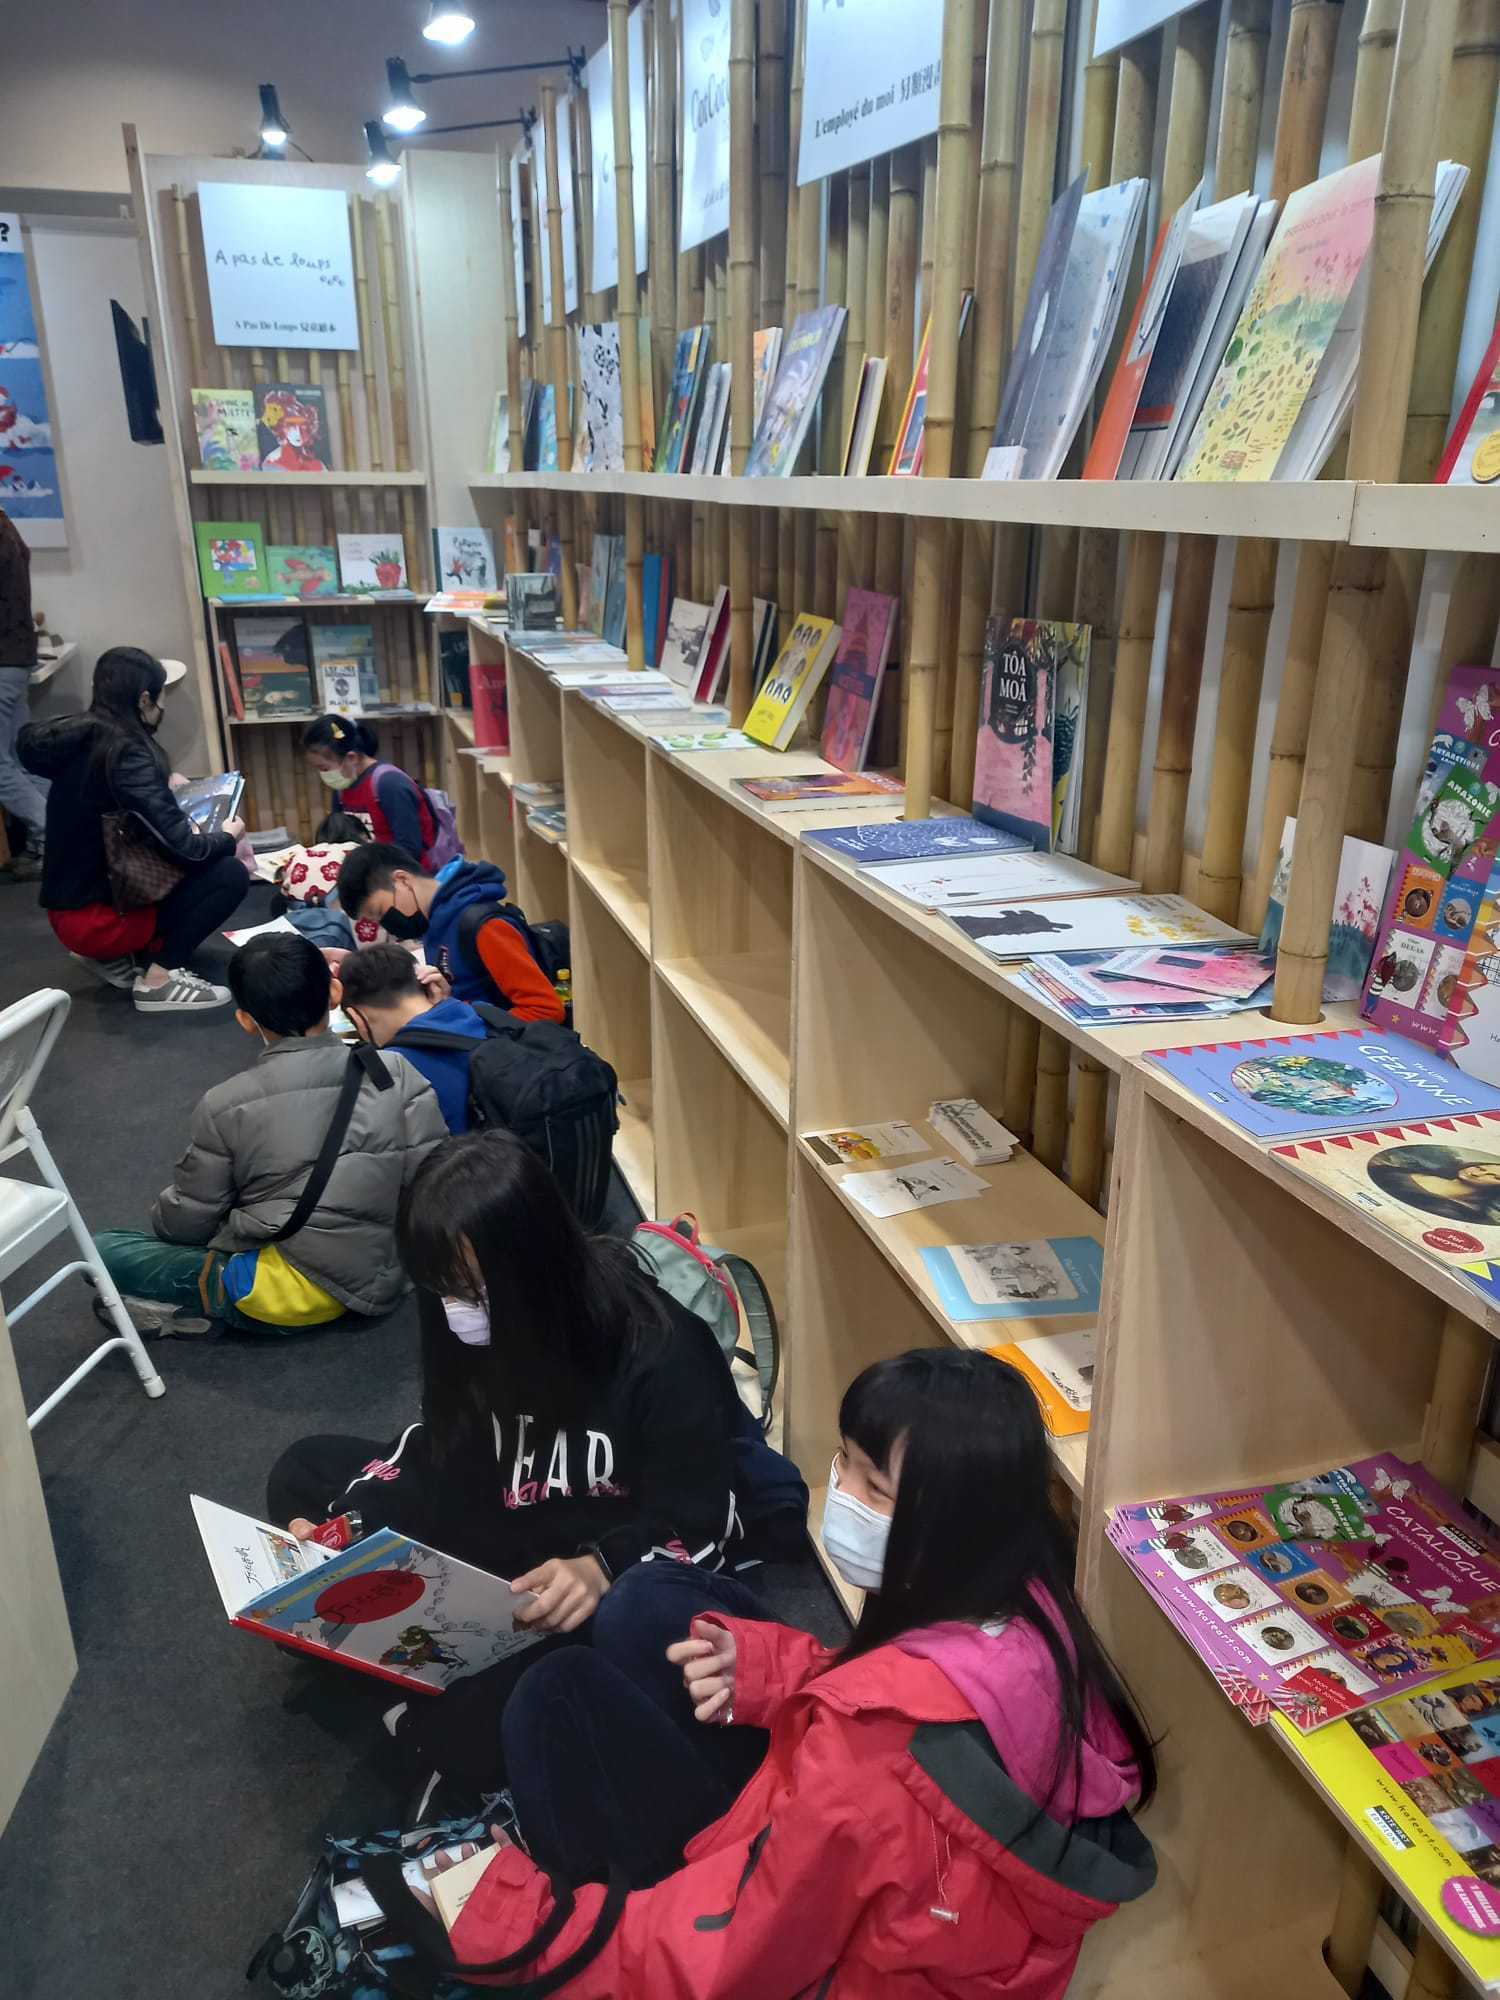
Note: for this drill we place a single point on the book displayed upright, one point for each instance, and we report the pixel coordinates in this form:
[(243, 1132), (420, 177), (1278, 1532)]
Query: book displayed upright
[(806, 356), (1027, 775), (532, 599), (1472, 457), (275, 666), (1112, 432), (464, 558), (291, 422), (689, 367), (225, 422), (231, 559), (372, 562), (304, 570), (600, 415), (343, 657), (793, 681), (681, 654), (858, 669)]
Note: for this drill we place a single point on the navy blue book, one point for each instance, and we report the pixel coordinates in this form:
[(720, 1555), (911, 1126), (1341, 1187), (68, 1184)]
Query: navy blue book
[(915, 840)]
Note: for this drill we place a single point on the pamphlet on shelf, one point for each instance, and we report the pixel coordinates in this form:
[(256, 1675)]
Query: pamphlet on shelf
[(965, 1125), (887, 1191), (1043, 1279), (1060, 1368), (1215, 975), (1087, 923), (820, 789), (1021, 874), (685, 741), (1075, 985), (867, 1142), (916, 840)]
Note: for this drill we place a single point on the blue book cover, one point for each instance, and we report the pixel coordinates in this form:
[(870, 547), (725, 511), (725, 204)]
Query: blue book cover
[(1338, 1080), (916, 840), (652, 577), (1043, 1279)]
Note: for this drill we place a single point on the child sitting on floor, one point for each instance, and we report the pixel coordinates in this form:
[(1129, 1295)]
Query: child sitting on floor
[(383, 993), (254, 1141)]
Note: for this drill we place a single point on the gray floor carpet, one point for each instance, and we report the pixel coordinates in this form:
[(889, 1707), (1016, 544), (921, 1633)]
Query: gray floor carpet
[(170, 1819)]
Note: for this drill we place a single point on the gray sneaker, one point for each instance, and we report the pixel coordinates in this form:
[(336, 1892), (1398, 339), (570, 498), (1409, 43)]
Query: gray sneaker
[(120, 972), (155, 1321), (179, 993)]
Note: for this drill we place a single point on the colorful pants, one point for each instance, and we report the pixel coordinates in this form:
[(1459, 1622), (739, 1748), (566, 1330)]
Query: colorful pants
[(183, 1276)]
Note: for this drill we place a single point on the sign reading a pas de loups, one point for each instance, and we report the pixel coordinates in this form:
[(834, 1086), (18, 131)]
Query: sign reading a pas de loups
[(871, 82), (602, 128), (1121, 21), (705, 120)]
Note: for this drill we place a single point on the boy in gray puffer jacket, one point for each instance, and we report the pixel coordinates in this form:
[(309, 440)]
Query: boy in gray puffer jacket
[(253, 1143)]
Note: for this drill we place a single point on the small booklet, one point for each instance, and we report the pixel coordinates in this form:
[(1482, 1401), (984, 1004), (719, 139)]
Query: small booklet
[(1220, 975), (867, 1142), (818, 788), (1041, 1279), (894, 1190), (1060, 1367), (386, 1605), (208, 802)]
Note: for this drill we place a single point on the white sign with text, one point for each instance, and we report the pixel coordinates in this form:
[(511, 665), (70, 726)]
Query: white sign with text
[(599, 77), (518, 237), (565, 204), (874, 68), (280, 265), (1121, 21), (705, 120)]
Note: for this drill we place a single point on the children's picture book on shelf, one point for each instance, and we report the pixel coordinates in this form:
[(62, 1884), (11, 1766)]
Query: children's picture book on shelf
[(687, 628), (1043, 1279), (778, 709), (1027, 776), (856, 1144), (1217, 975), (612, 626), (385, 1605), (1319, 1596), (208, 802), (864, 419), (1060, 1368), (499, 460), (541, 429), (767, 356), (1419, 1776), (916, 840), (886, 1191), (1329, 1080), (464, 558), (709, 436), (906, 452), (953, 882), (1098, 989), (858, 669), (1112, 432), (231, 559), (689, 367), (292, 427), (275, 666), (231, 679), (1087, 923), (601, 414), (1472, 457), (1364, 879), (491, 698), (533, 601), (806, 356), (344, 657), (306, 570), (372, 562), (763, 623), (818, 789), (225, 423), (713, 654), (1471, 1038)]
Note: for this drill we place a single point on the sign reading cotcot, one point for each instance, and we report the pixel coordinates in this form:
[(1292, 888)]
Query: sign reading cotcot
[(705, 120)]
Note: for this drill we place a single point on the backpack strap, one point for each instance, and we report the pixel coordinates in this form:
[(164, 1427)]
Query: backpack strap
[(438, 1038), (473, 921), (427, 810), (363, 1062), (765, 1336)]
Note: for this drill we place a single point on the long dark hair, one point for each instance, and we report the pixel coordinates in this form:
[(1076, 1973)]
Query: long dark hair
[(974, 1536), (121, 676), (483, 1218)]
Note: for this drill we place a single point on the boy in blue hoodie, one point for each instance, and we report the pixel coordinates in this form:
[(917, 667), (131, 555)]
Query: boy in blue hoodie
[(382, 995)]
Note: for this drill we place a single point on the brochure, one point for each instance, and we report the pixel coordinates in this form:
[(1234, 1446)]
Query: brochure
[(1043, 1279)]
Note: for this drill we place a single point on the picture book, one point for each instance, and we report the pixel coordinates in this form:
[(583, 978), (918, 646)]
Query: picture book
[(713, 654), (763, 613), (601, 410), (713, 419), (491, 693), (1077, 985), (865, 418), (906, 452), (1364, 877), (532, 600), (1220, 975), (464, 558), (1473, 454), (656, 603), (1471, 1035), (302, 570), (1434, 1183), (1060, 1369), (1293, 310), (806, 356), (767, 349), (821, 788), (1087, 923), (372, 562), (1030, 354), (866, 1142), (1030, 712), (884, 1191), (291, 421), (1332, 1080), (344, 656), (208, 802), (546, 428), (499, 460), (593, 583), (954, 882), (689, 367), (1112, 432), (275, 665), (858, 668), (386, 1605), (612, 628), (1314, 1598), (1038, 1280), (231, 680), (1419, 1777), (225, 422), (686, 630), (231, 559), (916, 840), (778, 709)]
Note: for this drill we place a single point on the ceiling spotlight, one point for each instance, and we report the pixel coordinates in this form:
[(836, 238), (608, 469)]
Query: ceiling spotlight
[(448, 22), (384, 168), (273, 127), (402, 112)]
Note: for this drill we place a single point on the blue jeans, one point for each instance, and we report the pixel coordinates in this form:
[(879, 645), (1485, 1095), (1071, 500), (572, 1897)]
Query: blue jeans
[(21, 795)]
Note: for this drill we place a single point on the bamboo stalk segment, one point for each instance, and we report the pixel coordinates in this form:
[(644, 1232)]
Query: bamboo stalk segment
[(189, 289), (1463, 1364), (1114, 846), (663, 231), (1022, 1037), (1049, 24), (583, 176), (374, 429), (771, 113), (1135, 107), (395, 334), (1348, 1947), (835, 289), (1403, 207), (742, 269), (1433, 1974), (1101, 88), (1245, 54), (1374, 63), (1050, 1111), (1192, 88), (514, 387), (1086, 1142), (627, 312), (557, 344), (1177, 723)]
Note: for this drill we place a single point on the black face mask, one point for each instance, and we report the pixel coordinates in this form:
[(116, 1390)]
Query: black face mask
[(151, 723), (397, 924)]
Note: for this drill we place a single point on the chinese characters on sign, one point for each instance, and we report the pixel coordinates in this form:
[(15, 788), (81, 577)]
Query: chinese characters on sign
[(874, 68), (280, 264)]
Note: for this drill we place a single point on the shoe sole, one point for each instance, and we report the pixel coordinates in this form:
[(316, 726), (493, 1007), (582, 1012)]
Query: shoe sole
[(178, 1006), (121, 982)]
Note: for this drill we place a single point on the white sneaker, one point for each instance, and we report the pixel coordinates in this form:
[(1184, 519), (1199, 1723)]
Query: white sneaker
[(120, 972), (179, 993)]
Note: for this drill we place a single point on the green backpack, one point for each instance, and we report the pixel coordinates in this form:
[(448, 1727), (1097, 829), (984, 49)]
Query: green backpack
[(723, 1289)]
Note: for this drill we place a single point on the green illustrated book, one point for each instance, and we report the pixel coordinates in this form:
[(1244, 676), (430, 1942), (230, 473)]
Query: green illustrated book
[(231, 559), (304, 571)]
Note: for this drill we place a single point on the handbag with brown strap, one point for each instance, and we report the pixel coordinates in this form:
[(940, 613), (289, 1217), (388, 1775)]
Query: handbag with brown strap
[(140, 869)]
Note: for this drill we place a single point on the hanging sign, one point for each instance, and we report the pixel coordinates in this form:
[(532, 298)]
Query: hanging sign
[(29, 488), (518, 238), (565, 204), (602, 131), (705, 120), (871, 82), (1122, 21), (280, 265)]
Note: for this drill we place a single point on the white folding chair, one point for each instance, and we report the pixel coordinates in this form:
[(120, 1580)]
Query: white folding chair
[(30, 1216)]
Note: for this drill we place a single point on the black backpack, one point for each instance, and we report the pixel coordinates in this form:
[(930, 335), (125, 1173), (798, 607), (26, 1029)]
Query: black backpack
[(548, 943), (538, 1080)]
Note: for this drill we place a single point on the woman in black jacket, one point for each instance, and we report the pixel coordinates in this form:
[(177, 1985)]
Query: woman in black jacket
[(108, 760)]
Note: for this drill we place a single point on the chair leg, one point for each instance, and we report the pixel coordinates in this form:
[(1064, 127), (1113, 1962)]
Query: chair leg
[(130, 1339)]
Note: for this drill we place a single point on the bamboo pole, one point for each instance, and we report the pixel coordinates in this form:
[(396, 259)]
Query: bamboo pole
[(514, 388), (850, 527), (1050, 1110), (557, 343), (189, 290), (663, 244), (393, 319), (374, 429), (1022, 1036), (742, 265), (1101, 89), (771, 111), (1039, 141), (955, 166), (627, 312), (1374, 62), (902, 251), (1403, 207)]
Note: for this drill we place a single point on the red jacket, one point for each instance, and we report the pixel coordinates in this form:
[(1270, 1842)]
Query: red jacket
[(880, 1802)]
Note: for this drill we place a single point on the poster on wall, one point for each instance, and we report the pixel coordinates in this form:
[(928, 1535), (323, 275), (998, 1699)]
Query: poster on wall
[(705, 120), (1121, 21), (874, 68), (280, 265), (518, 237), (602, 133), (565, 201), (30, 491)]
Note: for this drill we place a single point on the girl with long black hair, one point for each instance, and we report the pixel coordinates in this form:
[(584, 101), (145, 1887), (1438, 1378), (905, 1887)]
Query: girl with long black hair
[(946, 1804)]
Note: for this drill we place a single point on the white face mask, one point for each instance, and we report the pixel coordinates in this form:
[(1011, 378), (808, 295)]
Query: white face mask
[(468, 1323), (338, 780), (854, 1535)]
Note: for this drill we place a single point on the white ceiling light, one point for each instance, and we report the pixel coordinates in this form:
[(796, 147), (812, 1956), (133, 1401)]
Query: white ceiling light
[(448, 22), (402, 112), (384, 169)]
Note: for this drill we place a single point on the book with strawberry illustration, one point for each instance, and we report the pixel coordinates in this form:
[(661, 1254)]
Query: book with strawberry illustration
[(372, 562)]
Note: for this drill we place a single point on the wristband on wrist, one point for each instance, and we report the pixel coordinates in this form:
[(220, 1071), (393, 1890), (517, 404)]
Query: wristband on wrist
[(593, 1549)]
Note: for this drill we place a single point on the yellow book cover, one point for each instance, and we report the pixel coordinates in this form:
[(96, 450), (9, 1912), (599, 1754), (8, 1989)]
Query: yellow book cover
[(1418, 1780), (792, 681), (1060, 1367)]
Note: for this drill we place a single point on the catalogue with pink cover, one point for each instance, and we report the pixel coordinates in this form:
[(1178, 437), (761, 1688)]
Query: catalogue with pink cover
[(854, 686)]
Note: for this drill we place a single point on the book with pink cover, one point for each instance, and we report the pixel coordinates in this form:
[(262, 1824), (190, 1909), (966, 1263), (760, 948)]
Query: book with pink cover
[(1016, 754), (1472, 457), (854, 685)]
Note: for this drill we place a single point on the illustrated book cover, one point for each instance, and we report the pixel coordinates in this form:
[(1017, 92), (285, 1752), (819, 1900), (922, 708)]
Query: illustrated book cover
[(857, 1145), (806, 356), (1112, 432), (306, 570), (955, 882), (689, 366), (1472, 457), (292, 427), (1044, 1279), (916, 840), (822, 788), (275, 665), (1060, 1368), (858, 669), (1030, 737), (464, 558), (793, 681), (1087, 923), (231, 559), (687, 628), (601, 411), (532, 599), (348, 679), (864, 418), (372, 562), (1363, 882), (208, 802), (225, 423)]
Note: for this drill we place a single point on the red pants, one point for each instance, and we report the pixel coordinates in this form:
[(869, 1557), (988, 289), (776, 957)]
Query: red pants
[(99, 931)]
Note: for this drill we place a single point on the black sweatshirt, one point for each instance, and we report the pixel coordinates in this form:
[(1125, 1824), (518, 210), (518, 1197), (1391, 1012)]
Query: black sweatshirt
[(644, 1468)]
